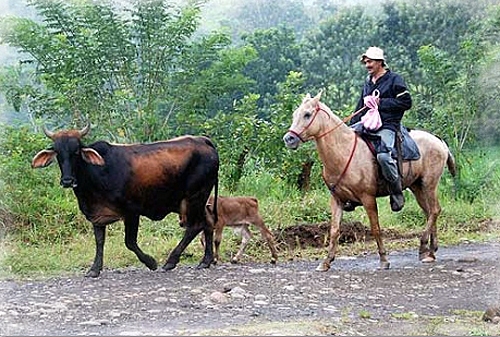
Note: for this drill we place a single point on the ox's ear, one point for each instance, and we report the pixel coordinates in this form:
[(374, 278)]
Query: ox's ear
[(43, 158), (91, 156), (209, 208)]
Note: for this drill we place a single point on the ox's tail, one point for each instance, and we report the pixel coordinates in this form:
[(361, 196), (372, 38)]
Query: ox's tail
[(216, 185), (216, 192)]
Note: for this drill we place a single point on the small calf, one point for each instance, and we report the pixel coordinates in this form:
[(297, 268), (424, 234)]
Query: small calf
[(238, 213)]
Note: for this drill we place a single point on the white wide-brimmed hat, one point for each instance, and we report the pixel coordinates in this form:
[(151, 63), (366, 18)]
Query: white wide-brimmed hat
[(374, 53)]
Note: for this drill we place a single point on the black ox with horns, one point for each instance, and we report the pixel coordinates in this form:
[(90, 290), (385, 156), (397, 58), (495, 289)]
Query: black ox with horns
[(123, 182)]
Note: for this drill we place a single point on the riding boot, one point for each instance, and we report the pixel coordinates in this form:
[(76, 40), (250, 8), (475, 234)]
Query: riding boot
[(397, 198)]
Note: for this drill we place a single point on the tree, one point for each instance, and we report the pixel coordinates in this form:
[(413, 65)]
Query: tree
[(263, 14), (277, 55), (129, 70), (331, 56)]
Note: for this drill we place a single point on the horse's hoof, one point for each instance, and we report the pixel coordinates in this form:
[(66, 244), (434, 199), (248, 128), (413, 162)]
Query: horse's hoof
[(168, 266), (234, 261), (428, 259), (323, 267), (384, 265), (273, 261)]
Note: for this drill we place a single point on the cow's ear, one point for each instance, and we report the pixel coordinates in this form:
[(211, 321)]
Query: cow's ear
[(209, 208), (43, 158), (91, 156)]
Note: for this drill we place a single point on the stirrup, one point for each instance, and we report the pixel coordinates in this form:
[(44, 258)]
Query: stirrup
[(350, 206), (397, 202)]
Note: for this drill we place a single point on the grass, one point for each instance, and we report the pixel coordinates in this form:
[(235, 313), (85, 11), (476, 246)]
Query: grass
[(42, 232), (159, 238)]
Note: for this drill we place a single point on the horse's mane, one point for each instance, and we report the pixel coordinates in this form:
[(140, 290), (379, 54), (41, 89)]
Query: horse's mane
[(325, 107)]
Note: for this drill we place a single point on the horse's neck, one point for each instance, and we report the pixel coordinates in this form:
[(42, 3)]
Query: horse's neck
[(335, 147)]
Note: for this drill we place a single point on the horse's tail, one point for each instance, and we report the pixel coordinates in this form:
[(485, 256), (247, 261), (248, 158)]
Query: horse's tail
[(452, 166), (450, 161)]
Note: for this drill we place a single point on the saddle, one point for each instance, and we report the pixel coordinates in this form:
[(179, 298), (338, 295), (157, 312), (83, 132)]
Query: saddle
[(406, 145)]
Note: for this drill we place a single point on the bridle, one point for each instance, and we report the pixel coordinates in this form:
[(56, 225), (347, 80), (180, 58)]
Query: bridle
[(316, 110)]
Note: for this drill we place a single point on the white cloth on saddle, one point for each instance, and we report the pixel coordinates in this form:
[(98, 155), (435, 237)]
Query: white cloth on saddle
[(371, 120)]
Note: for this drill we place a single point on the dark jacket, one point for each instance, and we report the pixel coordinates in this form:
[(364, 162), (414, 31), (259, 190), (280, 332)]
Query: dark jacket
[(395, 99)]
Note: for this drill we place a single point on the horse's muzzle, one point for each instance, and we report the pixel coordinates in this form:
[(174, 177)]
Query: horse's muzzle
[(291, 140)]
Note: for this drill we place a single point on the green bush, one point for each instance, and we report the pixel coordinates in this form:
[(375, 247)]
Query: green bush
[(44, 211)]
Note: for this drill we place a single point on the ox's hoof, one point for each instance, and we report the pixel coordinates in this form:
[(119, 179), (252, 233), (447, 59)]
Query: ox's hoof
[(92, 273), (323, 266), (384, 265), (151, 264), (168, 266), (203, 265)]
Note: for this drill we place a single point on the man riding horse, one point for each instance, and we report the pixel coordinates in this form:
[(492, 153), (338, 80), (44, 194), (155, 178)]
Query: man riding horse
[(387, 91)]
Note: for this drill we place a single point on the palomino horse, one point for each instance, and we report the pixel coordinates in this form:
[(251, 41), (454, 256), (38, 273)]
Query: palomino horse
[(351, 173)]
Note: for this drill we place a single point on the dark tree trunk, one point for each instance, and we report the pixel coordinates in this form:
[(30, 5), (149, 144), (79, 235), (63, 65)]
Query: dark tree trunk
[(238, 171), (304, 179)]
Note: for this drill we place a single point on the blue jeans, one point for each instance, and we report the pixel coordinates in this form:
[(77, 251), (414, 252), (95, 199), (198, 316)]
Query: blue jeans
[(387, 163)]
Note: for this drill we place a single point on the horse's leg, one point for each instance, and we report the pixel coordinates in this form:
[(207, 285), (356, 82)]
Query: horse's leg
[(428, 201), (371, 209), (336, 209)]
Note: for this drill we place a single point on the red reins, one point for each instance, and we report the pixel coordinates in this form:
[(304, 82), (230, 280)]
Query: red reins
[(317, 109), (346, 119)]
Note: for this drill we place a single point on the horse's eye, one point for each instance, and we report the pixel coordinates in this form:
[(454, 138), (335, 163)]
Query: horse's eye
[(307, 115)]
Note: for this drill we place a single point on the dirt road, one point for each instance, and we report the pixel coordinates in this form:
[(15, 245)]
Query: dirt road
[(290, 298)]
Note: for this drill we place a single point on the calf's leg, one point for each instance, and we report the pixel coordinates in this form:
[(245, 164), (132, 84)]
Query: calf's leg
[(246, 235), (268, 236), (217, 240)]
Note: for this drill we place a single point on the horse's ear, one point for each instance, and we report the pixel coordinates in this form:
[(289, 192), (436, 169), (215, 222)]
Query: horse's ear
[(317, 97), (307, 97)]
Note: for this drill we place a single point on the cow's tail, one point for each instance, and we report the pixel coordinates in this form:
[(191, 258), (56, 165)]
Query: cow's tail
[(216, 192), (216, 185)]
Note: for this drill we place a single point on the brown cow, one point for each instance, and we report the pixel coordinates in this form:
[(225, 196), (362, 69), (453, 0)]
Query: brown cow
[(115, 182), (238, 213)]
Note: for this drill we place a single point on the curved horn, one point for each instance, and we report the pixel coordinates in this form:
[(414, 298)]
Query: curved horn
[(85, 130), (48, 133)]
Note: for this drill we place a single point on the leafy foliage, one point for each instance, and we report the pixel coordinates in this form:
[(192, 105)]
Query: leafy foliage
[(124, 73), (145, 72), (277, 55)]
